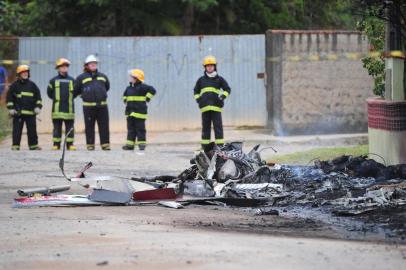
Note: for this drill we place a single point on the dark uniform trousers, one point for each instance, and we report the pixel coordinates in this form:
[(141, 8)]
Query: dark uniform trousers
[(31, 124), (208, 118), (136, 132), (57, 132), (101, 115)]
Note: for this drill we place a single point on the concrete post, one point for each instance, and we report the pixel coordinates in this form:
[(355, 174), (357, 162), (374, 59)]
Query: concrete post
[(394, 67)]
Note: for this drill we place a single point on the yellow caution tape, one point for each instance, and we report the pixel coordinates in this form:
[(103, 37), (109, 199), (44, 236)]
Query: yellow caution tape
[(313, 57), (332, 57), (294, 58)]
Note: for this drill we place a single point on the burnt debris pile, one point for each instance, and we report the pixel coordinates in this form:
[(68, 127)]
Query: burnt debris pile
[(346, 185)]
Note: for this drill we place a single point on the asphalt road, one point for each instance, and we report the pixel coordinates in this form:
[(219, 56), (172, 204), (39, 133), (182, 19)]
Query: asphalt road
[(152, 237)]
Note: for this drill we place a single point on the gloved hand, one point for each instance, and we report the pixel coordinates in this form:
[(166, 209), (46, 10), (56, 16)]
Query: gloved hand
[(37, 110), (12, 112)]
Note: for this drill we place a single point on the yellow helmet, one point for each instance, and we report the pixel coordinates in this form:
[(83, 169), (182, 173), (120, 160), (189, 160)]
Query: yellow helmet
[(209, 60), (61, 62), (22, 68), (138, 73)]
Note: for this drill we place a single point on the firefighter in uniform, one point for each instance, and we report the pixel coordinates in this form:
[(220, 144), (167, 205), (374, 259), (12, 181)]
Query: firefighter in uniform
[(60, 90), (210, 92), (136, 96), (93, 85), (24, 103)]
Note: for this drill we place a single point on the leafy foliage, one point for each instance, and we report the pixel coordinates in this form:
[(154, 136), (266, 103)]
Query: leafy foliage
[(168, 17), (374, 14), (374, 29)]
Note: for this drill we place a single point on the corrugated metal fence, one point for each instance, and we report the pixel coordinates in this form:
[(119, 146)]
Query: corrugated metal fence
[(171, 64)]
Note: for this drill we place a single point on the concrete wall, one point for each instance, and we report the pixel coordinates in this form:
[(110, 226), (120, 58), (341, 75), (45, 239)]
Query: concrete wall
[(316, 82)]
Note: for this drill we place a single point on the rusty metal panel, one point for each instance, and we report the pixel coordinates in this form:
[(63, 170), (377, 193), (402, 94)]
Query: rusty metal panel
[(171, 64)]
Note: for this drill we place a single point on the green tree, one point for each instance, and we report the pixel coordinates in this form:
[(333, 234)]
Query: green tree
[(374, 29), (374, 15), (11, 17), (169, 17)]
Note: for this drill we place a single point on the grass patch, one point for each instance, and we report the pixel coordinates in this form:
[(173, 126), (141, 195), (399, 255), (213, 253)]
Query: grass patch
[(5, 125), (305, 157)]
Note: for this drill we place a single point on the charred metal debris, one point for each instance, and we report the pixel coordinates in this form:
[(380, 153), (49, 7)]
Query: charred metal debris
[(345, 186)]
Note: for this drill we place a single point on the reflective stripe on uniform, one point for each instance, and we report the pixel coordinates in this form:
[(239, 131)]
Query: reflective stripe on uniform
[(70, 110), (105, 145), (10, 103), (69, 140), (149, 95), (136, 98), (27, 94), (209, 90), (57, 95), (141, 142), (210, 108), (101, 78), (55, 139), (197, 96), (138, 115), (35, 146), (39, 102), (15, 147), (130, 142), (219, 141), (226, 94), (86, 80), (26, 112), (205, 141), (89, 104), (63, 115)]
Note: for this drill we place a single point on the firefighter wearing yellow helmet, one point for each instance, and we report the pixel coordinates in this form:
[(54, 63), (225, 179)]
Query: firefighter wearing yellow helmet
[(136, 96), (93, 85), (210, 92), (24, 103), (60, 90)]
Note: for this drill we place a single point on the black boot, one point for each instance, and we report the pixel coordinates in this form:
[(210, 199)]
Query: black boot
[(128, 147), (142, 147)]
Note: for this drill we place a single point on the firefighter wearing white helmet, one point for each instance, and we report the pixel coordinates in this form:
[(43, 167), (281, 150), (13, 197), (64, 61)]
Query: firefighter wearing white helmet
[(60, 90), (90, 58), (24, 103), (93, 85), (210, 92), (136, 96)]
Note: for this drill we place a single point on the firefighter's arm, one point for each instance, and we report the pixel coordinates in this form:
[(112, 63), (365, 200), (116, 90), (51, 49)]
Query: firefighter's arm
[(125, 96), (197, 91), (77, 89), (10, 99), (37, 95), (107, 83), (50, 89), (226, 89), (150, 93)]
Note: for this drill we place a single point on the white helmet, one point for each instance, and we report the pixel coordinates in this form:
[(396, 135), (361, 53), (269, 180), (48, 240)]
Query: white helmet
[(90, 58)]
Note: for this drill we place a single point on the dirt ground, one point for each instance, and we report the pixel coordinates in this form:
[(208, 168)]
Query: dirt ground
[(151, 237)]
